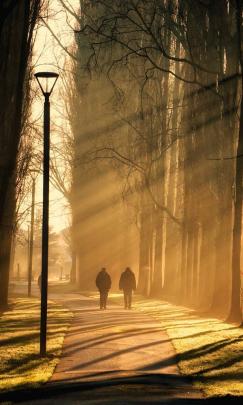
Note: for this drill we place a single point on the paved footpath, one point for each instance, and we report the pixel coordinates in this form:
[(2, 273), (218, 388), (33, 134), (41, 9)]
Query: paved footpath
[(117, 357), (113, 341)]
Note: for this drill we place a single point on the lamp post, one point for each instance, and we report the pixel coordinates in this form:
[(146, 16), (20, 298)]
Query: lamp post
[(47, 81), (31, 236)]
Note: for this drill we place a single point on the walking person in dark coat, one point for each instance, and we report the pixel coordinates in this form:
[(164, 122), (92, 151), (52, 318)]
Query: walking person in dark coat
[(103, 283), (127, 283)]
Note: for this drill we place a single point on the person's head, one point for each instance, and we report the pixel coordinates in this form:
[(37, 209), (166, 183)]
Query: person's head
[(103, 269), (128, 269)]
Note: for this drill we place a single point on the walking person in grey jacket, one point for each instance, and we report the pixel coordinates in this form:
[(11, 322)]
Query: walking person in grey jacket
[(127, 283)]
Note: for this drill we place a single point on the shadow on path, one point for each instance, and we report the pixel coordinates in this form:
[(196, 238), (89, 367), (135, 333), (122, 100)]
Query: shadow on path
[(137, 389)]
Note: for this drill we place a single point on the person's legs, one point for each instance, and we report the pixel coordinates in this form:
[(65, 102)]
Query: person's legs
[(129, 299), (105, 299), (125, 299), (100, 300)]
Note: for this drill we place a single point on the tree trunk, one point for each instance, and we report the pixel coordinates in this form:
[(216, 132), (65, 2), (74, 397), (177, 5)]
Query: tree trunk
[(16, 28), (7, 230), (73, 273), (157, 278), (235, 313), (144, 253)]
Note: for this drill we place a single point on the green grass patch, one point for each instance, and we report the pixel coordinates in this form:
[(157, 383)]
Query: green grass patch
[(20, 363)]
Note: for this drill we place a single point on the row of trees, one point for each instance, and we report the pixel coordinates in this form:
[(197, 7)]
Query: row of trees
[(156, 102), (155, 109)]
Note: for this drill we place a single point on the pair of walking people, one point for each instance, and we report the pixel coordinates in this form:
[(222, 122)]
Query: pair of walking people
[(127, 283)]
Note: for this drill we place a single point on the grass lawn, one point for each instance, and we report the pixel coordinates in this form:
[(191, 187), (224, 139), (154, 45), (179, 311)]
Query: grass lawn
[(20, 364), (209, 350)]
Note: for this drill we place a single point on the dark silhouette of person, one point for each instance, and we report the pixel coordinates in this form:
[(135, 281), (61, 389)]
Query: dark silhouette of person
[(127, 283), (103, 283)]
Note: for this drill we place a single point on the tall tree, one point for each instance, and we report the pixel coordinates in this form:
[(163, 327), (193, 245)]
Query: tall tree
[(17, 22)]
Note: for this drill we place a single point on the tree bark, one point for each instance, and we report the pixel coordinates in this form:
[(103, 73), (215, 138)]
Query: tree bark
[(235, 313), (15, 43)]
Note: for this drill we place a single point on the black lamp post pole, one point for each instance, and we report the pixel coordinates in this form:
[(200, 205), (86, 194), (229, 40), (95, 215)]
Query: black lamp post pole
[(45, 226)]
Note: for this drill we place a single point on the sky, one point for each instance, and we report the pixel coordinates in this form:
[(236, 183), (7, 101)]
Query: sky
[(48, 55)]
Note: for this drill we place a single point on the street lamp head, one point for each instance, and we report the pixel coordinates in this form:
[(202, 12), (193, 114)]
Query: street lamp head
[(47, 81)]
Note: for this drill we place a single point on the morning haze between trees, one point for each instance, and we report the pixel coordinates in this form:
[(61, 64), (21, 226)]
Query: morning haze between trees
[(148, 155)]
